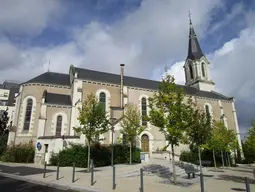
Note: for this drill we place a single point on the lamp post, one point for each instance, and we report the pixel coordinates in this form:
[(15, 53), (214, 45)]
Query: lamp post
[(113, 122)]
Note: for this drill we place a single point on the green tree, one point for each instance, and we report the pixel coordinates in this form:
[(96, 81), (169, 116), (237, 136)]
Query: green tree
[(131, 125), (93, 121), (168, 112), (221, 139), (249, 144), (199, 129)]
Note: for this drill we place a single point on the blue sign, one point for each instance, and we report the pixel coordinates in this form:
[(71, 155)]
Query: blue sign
[(142, 157), (38, 146)]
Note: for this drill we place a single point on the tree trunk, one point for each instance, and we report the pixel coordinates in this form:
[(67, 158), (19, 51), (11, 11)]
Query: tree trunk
[(214, 160), (88, 165), (173, 162), (229, 163), (200, 162), (222, 159), (130, 153)]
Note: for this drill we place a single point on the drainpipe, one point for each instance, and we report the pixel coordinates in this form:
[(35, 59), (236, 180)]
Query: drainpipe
[(121, 84)]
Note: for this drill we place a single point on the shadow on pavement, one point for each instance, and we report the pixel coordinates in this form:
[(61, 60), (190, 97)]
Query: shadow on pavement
[(22, 170), (237, 179), (238, 189), (85, 171)]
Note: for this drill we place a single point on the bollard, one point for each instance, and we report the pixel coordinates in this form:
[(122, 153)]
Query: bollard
[(141, 180), (73, 173), (254, 173), (113, 177), (247, 185), (202, 182), (92, 172), (58, 171), (44, 170)]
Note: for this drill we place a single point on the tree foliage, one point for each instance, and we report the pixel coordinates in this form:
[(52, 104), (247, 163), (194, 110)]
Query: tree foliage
[(249, 144), (168, 112), (93, 120), (222, 138), (3, 123), (131, 125), (200, 129)]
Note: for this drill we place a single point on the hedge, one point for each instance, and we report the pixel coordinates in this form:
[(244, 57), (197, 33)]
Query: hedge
[(101, 154), (3, 143), (206, 155), (22, 153)]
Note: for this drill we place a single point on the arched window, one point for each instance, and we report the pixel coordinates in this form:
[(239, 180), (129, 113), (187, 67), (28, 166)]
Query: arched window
[(28, 114), (207, 110), (59, 126), (102, 100), (191, 72), (144, 111), (203, 69)]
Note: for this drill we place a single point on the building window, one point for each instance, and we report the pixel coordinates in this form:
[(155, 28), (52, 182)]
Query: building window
[(191, 72), (144, 111), (203, 69), (28, 115), (59, 125), (102, 100), (208, 113)]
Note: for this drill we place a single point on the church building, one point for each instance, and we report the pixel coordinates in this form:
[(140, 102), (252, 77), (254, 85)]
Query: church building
[(46, 107)]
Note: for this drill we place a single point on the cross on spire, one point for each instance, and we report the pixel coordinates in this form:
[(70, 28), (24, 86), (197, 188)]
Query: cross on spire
[(190, 18)]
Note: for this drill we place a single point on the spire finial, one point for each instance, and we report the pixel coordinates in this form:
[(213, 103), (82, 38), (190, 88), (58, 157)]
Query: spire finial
[(190, 22)]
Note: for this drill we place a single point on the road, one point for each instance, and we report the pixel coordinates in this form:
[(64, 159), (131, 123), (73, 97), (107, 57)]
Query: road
[(13, 185)]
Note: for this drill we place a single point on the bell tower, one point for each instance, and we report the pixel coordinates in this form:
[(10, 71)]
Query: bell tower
[(196, 67)]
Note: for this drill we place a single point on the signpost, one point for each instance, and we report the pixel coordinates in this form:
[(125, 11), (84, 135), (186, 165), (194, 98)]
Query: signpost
[(39, 146)]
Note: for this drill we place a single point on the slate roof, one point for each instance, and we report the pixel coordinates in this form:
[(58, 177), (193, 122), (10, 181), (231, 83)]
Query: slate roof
[(51, 78), (58, 99), (86, 74), (194, 51), (140, 83)]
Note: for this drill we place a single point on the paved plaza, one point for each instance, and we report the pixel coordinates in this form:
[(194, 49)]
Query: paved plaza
[(128, 179)]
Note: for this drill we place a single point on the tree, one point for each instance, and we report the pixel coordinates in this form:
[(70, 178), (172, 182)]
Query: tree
[(93, 121), (199, 129), (131, 125), (221, 139), (3, 123), (249, 144), (169, 112)]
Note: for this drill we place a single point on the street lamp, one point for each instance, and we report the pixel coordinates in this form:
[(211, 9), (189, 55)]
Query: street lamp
[(113, 122)]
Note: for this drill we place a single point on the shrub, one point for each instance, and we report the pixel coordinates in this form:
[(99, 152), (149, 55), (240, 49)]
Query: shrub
[(101, 154), (22, 153), (3, 143)]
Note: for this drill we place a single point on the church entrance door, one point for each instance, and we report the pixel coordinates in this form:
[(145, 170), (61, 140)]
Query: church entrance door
[(145, 143)]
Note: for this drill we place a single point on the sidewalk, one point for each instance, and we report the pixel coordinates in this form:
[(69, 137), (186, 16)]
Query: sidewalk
[(127, 179)]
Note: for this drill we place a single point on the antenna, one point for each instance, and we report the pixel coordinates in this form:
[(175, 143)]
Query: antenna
[(49, 66)]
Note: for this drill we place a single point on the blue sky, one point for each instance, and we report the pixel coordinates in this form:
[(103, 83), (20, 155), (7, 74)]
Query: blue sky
[(146, 35)]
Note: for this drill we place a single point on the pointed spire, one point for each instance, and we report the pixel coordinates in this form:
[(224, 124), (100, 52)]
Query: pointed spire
[(194, 50)]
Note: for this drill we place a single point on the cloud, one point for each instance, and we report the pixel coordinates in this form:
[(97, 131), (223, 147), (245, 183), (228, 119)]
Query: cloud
[(154, 35), (28, 17)]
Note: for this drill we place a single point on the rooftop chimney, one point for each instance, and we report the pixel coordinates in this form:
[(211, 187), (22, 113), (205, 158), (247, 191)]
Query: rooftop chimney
[(121, 84)]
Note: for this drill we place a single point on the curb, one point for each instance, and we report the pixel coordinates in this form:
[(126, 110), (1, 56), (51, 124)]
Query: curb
[(54, 185)]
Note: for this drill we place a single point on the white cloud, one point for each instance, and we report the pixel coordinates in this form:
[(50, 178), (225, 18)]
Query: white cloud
[(28, 17)]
